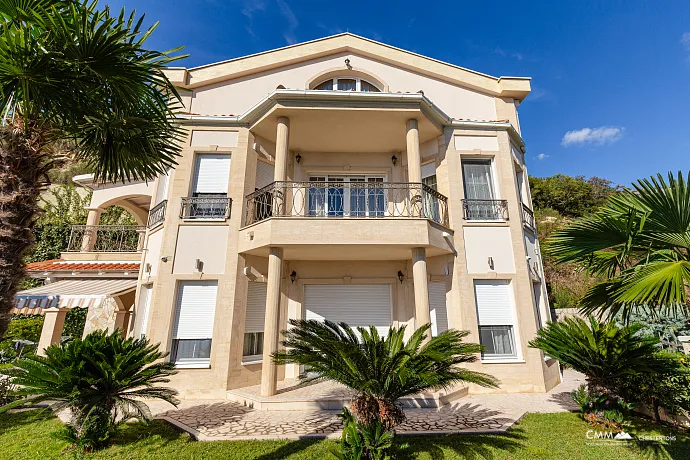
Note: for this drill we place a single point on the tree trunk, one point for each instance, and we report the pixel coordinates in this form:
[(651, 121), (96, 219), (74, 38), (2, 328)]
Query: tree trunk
[(655, 407), (23, 175)]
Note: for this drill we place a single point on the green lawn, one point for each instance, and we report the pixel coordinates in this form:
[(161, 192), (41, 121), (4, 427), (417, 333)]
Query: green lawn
[(27, 435)]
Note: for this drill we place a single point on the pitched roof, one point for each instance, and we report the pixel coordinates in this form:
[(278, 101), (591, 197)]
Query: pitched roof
[(517, 87)]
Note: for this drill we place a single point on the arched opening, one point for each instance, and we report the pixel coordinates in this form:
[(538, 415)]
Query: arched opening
[(340, 79)]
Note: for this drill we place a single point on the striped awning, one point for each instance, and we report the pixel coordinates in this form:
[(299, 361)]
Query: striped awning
[(81, 293)]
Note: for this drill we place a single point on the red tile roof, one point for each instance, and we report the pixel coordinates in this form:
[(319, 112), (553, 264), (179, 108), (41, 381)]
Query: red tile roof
[(63, 265)]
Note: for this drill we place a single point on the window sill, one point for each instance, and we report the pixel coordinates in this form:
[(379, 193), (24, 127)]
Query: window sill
[(503, 361), (252, 361), (193, 365), (201, 219)]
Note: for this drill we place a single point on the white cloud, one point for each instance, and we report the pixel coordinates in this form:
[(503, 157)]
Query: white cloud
[(541, 156), (593, 136), (685, 40), (292, 22)]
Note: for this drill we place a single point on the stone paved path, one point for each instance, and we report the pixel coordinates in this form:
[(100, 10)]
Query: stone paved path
[(225, 420)]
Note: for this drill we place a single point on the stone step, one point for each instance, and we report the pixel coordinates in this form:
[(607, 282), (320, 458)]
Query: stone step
[(293, 400)]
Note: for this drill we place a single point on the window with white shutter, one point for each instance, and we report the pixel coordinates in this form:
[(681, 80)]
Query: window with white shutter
[(437, 307), (193, 325), (496, 315), (254, 322), (162, 188), (141, 320), (211, 175), (264, 174)]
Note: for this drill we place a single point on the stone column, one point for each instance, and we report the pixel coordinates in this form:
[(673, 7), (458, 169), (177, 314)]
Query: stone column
[(269, 371), (414, 159), (53, 321), (92, 220), (121, 322), (282, 149), (422, 315)]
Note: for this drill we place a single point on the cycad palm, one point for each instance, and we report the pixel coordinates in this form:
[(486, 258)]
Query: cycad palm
[(603, 351), (380, 369), (69, 71), (640, 241), (102, 380)]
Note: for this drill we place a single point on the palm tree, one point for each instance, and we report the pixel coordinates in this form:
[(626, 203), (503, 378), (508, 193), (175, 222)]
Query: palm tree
[(603, 351), (640, 242), (71, 74), (102, 379), (380, 369)]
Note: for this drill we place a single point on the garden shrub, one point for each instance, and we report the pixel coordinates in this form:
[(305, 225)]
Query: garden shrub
[(669, 390), (103, 380)]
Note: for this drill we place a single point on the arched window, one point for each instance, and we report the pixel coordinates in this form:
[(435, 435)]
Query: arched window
[(347, 84)]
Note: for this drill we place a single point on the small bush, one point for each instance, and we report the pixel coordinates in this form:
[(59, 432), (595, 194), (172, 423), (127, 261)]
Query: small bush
[(669, 389), (365, 441), (102, 379)]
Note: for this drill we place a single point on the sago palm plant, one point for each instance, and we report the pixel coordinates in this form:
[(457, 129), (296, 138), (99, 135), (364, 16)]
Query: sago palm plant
[(102, 379), (381, 370), (73, 74), (605, 352), (640, 242)]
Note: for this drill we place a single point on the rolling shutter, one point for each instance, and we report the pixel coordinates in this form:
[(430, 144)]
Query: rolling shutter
[(437, 305), (355, 304), (256, 307), (142, 313), (195, 309), (428, 170), (494, 305), (264, 173), (162, 188), (211, 174)]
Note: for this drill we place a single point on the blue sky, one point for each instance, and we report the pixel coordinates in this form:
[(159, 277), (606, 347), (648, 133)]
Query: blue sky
[(610, 80)]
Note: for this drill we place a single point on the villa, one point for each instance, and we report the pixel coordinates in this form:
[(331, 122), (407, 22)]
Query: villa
[(339, 179)]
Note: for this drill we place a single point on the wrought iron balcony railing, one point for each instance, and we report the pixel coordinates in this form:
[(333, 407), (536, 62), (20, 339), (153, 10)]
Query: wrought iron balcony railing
[(157, 214), (106, 238), (528, 218), (371, 200), (206, 208), (485, 209)]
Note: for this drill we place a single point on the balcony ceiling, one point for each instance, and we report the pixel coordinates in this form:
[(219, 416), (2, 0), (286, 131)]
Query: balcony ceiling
[(347, 127)]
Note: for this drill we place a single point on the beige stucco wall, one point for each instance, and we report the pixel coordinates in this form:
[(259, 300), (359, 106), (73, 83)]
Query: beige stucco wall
[(493, 242), (208, 243), (235, 97)]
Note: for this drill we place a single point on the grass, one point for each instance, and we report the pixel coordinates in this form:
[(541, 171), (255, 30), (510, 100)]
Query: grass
[(28, 435)]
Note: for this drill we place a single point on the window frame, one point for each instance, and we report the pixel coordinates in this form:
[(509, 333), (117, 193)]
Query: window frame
[(517, 356), (358, 84), (346, 197)]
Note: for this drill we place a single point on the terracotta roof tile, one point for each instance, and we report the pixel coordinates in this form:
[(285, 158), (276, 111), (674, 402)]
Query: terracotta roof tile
[(62, 265)]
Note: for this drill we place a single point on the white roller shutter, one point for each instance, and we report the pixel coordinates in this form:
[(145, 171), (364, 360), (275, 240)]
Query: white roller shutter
[(195, 310), (256, 307), (211, 173), (355, 304), (428, 170), (162, 188), (494, 303), (142, 314), (264, 174), (437, 305)]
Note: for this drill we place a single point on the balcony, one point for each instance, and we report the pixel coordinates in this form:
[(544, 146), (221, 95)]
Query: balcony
[(347, 200), (528, 218), (485, 210), (205, 208), (334, 220), (106, 238), (157, 214)]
